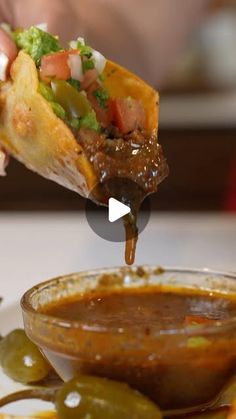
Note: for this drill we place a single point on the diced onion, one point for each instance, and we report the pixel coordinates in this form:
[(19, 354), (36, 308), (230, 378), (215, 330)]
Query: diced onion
[(42, 26), (3, 162), (75, 65), (99, 61), (53, 86), (81, 40), (4, 62), (73, 44)]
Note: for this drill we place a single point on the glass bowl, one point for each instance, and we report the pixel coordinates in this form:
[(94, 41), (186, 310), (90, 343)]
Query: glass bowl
[(163, 364)]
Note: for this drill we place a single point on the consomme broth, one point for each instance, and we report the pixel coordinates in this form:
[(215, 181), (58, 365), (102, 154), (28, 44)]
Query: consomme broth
[(155, 307), (179, 371), (171, 334)]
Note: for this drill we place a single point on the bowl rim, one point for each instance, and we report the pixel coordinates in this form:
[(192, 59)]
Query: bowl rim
[(214, 327)]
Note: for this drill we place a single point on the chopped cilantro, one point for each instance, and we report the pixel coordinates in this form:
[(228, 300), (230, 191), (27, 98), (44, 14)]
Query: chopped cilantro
[(36, 43), (90, 121), (197, 342), (102, 97), (102, 77), (75, 123), (87, 121), (85, 50), (58, 110), (74, 83), (87, 65), (46, 92)]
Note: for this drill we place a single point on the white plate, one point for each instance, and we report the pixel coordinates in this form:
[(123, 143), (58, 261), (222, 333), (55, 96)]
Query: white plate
[(10, 318)]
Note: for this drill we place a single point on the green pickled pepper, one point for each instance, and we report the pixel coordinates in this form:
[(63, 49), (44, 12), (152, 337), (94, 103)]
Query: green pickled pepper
[(100, 398), (75, 104), (21, 360)]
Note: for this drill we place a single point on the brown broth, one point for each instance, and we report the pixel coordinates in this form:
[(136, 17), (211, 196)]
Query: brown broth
[(158, 307), (119, 340)]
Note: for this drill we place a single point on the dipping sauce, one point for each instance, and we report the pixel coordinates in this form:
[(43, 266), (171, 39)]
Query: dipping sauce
[(148, 308), (182, 370), (169, 333)]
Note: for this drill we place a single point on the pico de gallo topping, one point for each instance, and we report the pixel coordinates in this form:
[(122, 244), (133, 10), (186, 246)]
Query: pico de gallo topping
[(71, 80)]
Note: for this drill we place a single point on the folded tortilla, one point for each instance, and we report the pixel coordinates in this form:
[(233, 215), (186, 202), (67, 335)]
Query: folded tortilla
[(34, 135)]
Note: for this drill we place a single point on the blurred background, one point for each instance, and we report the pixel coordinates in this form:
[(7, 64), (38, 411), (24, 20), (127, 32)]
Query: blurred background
[(197, 131)]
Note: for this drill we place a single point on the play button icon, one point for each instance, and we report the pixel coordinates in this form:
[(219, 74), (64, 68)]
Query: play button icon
[(117, 210), (108, 221)]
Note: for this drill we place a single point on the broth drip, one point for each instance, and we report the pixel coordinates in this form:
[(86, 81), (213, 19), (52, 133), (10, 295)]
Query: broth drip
[(131, 238), (129, 168)]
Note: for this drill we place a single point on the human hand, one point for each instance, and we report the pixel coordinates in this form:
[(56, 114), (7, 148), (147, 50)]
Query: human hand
[(147, 38), (60, 15)]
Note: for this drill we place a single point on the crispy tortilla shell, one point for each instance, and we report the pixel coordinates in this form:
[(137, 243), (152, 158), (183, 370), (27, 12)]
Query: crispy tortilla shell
[(120, 83), (33, 134)]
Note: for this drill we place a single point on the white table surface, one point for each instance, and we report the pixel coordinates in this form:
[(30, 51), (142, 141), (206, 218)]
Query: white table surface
[(38, 246)]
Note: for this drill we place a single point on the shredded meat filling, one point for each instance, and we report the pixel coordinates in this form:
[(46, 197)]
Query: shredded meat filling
[(133, 156)]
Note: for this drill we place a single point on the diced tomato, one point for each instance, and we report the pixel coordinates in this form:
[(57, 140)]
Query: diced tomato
[(128, 114), (56, 65), (90, 77), (195, 320), (8, 46), (103, 115)]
